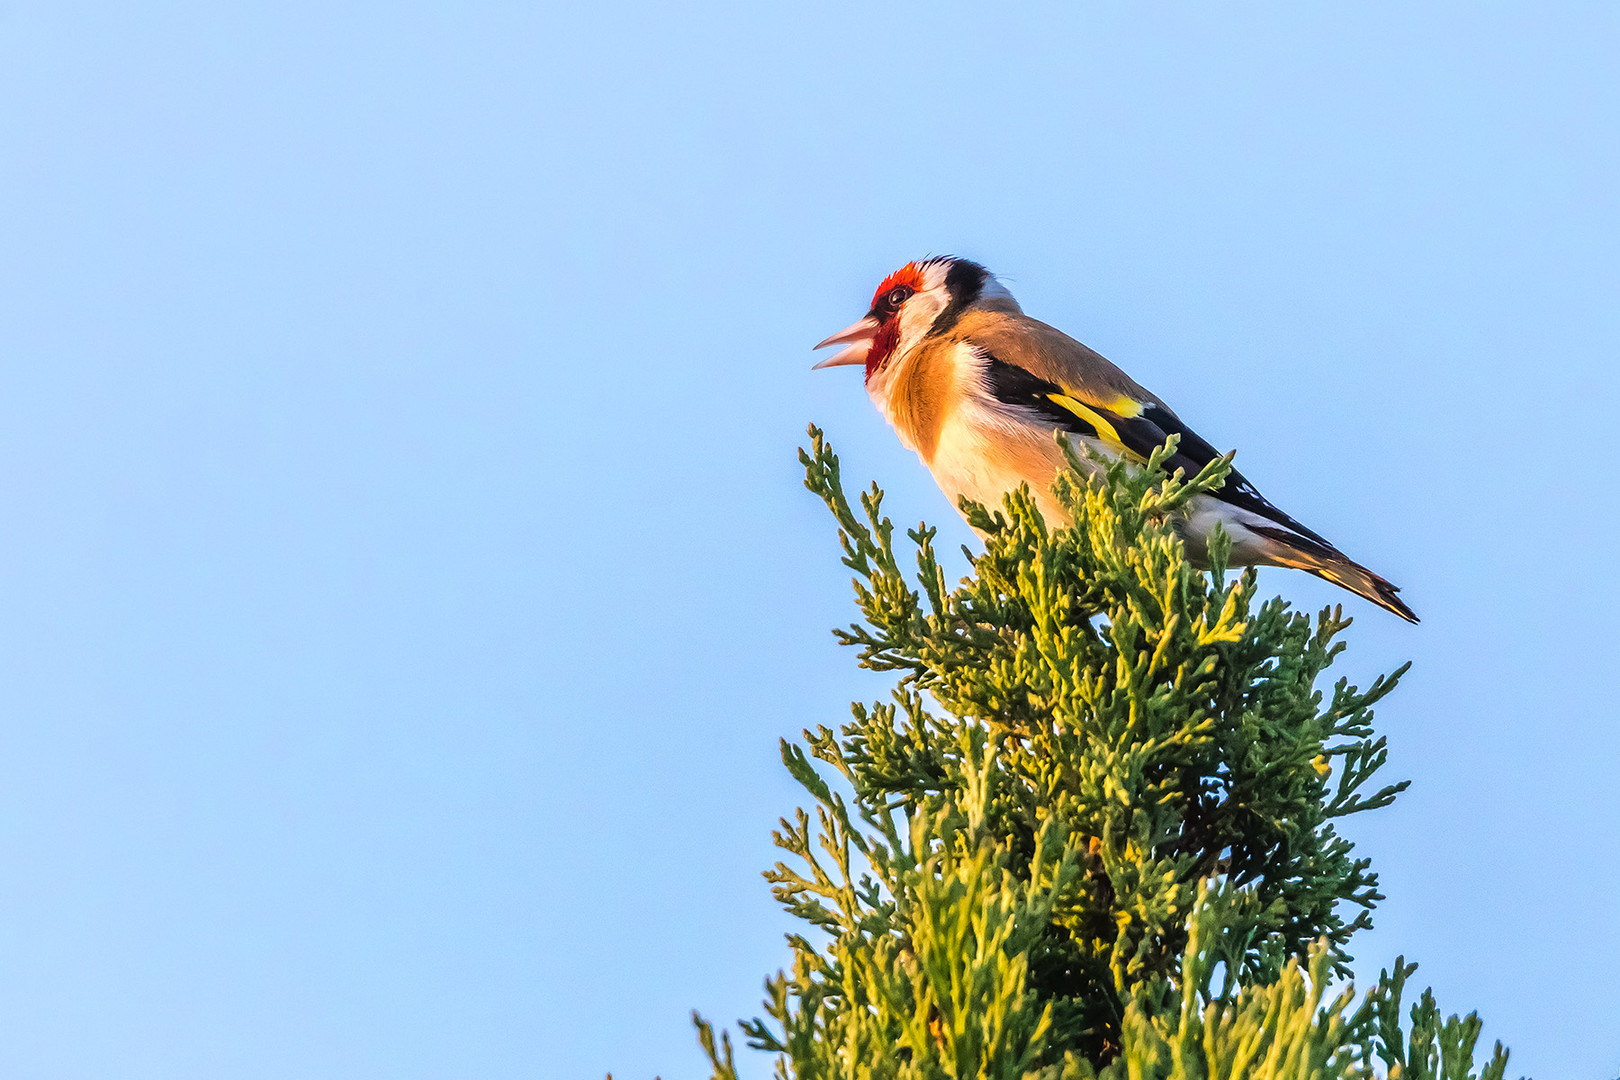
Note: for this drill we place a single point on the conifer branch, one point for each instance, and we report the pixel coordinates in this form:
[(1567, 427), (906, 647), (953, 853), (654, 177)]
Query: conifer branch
[(1093, 834)]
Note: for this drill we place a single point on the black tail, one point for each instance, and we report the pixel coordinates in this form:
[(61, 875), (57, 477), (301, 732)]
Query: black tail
[(1363, 582), (1327, 563)]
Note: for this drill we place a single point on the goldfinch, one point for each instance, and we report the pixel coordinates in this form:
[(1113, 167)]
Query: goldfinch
[(977, 388)]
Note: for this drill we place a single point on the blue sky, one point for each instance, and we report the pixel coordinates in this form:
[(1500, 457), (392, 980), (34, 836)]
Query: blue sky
[(404, 573)]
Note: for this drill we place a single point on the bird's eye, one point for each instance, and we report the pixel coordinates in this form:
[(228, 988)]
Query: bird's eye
[(898, 295)]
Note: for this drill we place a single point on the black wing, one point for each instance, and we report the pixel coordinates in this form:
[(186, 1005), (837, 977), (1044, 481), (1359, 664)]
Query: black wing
[(1137, 435)]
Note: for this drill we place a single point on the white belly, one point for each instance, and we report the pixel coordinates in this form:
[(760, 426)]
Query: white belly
[(979, 458)]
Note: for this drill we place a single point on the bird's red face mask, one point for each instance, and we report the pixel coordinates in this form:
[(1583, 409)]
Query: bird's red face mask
[(872, 341)]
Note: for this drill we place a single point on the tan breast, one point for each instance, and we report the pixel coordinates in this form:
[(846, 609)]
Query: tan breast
[(917, 392)]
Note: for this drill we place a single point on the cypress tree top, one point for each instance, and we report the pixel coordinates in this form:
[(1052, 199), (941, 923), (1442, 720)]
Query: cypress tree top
[(1093, 832)]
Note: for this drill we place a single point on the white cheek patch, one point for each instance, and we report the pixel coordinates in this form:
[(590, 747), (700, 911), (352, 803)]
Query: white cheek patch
[(917, 316)]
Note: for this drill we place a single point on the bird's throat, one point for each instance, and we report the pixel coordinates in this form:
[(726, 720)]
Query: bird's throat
[(884, 343)]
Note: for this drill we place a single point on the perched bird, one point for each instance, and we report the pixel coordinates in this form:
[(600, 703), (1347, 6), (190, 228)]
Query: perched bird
[(977, 388)]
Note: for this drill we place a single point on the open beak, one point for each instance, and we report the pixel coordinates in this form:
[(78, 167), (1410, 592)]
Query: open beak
[(857, 337)]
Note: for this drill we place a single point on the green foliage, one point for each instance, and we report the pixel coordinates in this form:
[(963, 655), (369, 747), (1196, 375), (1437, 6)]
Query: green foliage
[(1092, 835)]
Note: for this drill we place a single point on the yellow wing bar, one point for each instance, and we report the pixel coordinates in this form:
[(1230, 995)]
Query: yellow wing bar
[(1101, 421)]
